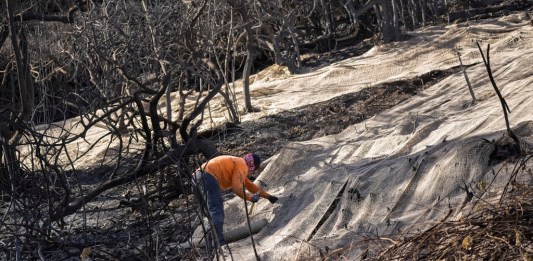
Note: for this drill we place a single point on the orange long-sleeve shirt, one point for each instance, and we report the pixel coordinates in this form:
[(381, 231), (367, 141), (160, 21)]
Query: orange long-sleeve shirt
[(231, 172)]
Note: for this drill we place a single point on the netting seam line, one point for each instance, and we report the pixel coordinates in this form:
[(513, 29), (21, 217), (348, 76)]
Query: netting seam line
[(328, 212)]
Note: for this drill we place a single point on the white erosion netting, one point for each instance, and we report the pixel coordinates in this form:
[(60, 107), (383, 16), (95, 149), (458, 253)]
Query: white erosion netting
[(401, 170)]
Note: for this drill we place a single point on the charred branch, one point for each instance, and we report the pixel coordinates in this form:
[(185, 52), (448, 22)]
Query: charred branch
[(505, 107)]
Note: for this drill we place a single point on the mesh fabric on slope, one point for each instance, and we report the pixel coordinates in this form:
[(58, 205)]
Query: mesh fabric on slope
[(404, 169)]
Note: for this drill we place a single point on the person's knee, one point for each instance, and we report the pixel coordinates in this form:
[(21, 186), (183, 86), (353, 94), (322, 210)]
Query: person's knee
[(217, 212), (218, 217)]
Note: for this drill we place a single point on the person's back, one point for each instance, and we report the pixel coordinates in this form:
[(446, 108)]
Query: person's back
[(227, 169)]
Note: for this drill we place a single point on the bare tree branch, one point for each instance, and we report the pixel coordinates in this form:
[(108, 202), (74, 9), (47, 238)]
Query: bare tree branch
[(505, 107)]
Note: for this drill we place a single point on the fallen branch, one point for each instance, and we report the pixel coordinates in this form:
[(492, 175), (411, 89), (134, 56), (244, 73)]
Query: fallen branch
[(141, 170)]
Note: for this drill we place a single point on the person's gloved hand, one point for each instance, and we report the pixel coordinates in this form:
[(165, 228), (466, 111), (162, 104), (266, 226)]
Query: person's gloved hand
[(272, 199), (255, 198)]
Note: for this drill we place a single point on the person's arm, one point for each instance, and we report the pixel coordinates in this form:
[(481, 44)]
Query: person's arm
[(240, 176), (250, 186), (236, 184)]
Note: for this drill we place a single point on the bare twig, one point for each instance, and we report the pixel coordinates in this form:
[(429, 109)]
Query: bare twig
[(248, 222), (466, 78), (505, 107)]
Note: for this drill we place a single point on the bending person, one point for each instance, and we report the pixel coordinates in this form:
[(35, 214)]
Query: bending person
[(223, 173)]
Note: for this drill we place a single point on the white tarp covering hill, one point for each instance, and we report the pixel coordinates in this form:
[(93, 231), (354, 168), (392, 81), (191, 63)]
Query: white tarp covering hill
[(400, 170)]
